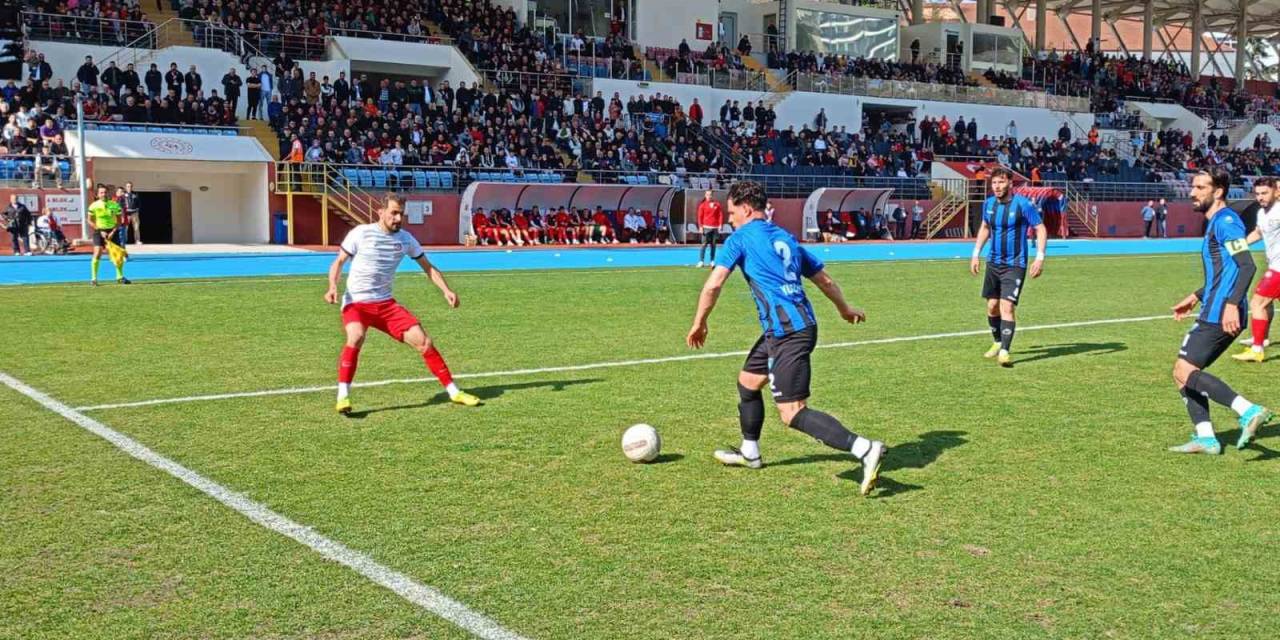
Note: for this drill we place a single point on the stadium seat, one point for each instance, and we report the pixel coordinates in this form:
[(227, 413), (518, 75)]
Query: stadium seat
[(419, 179), (366, 178), (446, 179), (379, 178), (352, 176), (406, 179), (433, 178)]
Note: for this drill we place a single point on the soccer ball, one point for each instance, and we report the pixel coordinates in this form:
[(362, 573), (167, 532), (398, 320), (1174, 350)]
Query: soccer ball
[(641, 443)]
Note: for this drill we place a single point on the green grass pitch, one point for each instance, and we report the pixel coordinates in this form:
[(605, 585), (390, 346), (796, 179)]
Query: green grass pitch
[(1036, 502)]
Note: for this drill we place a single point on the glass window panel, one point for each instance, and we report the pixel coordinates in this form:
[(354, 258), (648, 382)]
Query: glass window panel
[(857, 36)]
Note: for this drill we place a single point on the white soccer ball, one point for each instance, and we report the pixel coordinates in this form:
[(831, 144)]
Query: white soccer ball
[(641, 443)]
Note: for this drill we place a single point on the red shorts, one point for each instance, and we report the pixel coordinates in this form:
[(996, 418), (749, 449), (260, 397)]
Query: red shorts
[(1269, 286), (386, 316)]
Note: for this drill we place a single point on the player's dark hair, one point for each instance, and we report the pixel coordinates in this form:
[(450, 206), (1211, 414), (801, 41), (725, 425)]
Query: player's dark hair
[(1265, 181), (748, 192), (1219, 178), (999, 172)]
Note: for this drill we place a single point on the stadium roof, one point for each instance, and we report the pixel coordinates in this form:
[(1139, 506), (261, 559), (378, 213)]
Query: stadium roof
[(1218, 15)]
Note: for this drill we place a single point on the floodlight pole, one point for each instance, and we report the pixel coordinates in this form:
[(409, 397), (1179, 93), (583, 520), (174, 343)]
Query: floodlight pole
[(80, 168)]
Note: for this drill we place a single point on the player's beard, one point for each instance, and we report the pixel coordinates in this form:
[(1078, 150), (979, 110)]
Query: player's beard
[(1201, 206)]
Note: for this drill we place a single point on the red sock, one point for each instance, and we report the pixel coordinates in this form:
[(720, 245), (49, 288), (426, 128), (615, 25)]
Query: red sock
[(347, 364), (435, 362), (1260, 331)]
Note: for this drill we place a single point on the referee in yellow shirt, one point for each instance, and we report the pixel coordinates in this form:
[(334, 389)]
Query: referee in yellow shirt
[(104, 216)]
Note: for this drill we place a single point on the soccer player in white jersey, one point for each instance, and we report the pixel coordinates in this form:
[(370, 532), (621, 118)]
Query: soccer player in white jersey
[(375, 251), (1262, 304)]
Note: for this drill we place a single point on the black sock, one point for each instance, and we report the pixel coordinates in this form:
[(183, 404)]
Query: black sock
[(1211, 386), (994, 323), (1271, 312), (750, 412), (1197, 406), (824, 428), (1007, 327)]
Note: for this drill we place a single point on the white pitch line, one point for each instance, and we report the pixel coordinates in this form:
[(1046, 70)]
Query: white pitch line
[(415, 592), (598, 365)]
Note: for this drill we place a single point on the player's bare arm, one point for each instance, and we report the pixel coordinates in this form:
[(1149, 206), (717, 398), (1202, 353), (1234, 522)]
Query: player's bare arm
[(1042, 244), (831, 289), (706, 302), (1185, 306), (335, 272), (437, 278), (984, 232)]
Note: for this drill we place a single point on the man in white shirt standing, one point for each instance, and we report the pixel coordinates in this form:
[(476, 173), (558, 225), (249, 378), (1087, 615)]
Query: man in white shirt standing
[(1262, 304), (375, 251)]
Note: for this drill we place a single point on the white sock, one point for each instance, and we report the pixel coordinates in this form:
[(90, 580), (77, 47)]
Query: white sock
[(1257, 348), (1240, 405), (750, 449), (860, 448), (1205, 430), (453, 390), (344, 388)]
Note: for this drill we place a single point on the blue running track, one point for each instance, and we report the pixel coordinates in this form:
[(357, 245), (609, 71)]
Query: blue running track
[(15, 270)]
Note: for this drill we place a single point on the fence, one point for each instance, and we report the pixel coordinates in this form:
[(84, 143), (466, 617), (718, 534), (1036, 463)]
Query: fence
[(86, 29), (909, 90)]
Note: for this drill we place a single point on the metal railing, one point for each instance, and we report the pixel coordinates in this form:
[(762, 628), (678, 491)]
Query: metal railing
[(84, 29), (909, 90), (37, 171), (1118, 191)]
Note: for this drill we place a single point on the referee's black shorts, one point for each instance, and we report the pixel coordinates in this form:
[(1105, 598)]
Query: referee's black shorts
[(785, 360), (1204, 344), (98, 240), (1003, 282)]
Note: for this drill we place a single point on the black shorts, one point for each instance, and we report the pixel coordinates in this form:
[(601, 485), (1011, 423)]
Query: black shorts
[(98, 240), (786, 361), (1003, 282), (1204, 344)]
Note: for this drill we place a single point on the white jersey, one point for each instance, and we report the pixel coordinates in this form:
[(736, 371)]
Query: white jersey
[(375, 256), (1269, 226)]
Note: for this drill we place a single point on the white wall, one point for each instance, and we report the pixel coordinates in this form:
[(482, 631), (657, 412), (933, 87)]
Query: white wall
[(799, 107), (435, 60), (231, 207), (662, 23)]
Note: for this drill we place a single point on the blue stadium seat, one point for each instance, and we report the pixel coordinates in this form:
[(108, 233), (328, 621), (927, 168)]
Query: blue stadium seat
[(352, 176), (406, 179), (508, 177), (171, 130), (379, 178), (446, 179), (419, 179), (434, 178), (64, 169), (642, 179), (151, 129), (366, 178), (8, 168)]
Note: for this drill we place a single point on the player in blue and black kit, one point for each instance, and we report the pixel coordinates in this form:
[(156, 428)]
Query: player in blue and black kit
[(1006, 218), (1228, 270), (773, 264)]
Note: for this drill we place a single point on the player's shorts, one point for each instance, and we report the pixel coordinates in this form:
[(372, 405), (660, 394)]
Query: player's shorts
[(1204, 344), (99, 241), (786, 361), (1003, 282), (1269, 286), (386, 316)]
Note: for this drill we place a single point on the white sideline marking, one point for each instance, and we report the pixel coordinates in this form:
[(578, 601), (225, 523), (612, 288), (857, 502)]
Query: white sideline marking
[(598, 365), (415, 592)]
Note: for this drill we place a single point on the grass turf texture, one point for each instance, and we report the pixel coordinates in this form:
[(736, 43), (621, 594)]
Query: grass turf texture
[(1033, 502)]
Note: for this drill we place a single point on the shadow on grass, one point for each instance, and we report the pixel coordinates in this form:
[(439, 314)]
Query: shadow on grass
[(1051, 351), (485, 394), (667, 457), (917, 454)]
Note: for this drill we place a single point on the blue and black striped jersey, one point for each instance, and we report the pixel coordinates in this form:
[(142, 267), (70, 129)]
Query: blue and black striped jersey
[(773, 263), (1228, 267), (1009, 223)]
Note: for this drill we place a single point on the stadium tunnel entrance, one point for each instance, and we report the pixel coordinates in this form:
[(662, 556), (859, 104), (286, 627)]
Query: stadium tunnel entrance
[(512, 196)]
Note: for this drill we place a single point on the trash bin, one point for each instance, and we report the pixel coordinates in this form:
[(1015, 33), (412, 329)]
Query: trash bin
[(279, 228)]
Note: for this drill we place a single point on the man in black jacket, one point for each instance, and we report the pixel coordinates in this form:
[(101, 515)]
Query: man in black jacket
[(40, 71), (231, 87), (342, 89), (173, 79), (194, 83), (17, 221), (112, 77), (88, 74), (131, 79), (154, 80)]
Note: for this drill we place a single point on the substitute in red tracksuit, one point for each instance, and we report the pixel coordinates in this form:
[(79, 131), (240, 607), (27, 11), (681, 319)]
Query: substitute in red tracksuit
[(710, 219), (603, 227)]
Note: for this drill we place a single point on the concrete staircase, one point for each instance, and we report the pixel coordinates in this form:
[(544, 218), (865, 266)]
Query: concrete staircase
[(171, 34), (262, 131)]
